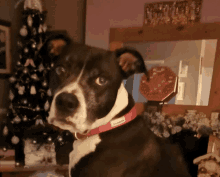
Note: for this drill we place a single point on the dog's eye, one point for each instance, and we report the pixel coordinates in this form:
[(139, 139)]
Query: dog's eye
[(101, 81), (60, 70)]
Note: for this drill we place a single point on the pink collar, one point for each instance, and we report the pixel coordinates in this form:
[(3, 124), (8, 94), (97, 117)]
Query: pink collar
[(132, 114)]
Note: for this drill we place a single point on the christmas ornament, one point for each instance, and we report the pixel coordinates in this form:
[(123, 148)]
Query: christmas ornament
[(4, 149), (24, 101), (47, 106), (42, 94), (29, 62), (33, 90), (29, 21), (23, 31), (11, 95), (34, 45), (25, 70), (44, 27), (21, 90), (34, 31), (49, 93), (59, 138), (40, 29), (15, 140), (12, 79), (17, 119), (18, 63), (49, 139), (52, 65), (35, 77), (37, 108), (39, 122), (33, 4), (41, 67), (19, 44), (44, 83), (5, 131), (26, 50), (17, 164), (45, 133), (25, 118)]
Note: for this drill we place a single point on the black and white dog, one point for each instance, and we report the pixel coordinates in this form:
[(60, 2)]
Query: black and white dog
[(90, 101)]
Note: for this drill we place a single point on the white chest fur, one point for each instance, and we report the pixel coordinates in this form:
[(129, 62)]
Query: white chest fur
[(81, 148)]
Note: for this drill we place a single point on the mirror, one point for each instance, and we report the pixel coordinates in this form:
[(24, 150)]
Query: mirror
[(191, 60)]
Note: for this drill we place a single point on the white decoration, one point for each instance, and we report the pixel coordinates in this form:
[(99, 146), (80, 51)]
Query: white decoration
[(26, 50), (25, 118), (21, 90), (5, 131), (33, 4), (11, 95), (44, 27), (39, 121), (17, 119), (29, 21), (37, 108), (47, 105), (49, 93), (36, 155), (12, 79), (23, 31), (35, 77), (15, 140), (41, 67), (33, 90), (29, 62), (40, 29)]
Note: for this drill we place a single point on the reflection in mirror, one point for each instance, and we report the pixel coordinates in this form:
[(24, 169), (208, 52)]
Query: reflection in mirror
[(192, 61)]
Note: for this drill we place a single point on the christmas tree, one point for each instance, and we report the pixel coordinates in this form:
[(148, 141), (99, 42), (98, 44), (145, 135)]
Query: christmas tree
[(29, 93)]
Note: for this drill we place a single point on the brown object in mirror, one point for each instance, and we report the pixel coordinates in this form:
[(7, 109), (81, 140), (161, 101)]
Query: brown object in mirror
[(119, 36)]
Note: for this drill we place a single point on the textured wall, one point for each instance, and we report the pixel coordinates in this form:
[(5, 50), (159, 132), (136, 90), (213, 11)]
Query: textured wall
[(103, 15)]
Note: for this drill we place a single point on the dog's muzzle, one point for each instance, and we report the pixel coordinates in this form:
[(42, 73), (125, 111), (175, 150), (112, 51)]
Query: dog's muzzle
[(66, 103)]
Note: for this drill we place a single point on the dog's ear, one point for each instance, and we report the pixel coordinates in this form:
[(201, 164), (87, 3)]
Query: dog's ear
[(130, 62), (54, 45)]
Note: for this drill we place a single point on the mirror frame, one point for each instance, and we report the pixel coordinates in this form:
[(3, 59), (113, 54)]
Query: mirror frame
[(118, 36)]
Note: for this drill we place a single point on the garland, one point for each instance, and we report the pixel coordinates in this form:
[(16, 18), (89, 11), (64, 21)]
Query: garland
[(164, 125)]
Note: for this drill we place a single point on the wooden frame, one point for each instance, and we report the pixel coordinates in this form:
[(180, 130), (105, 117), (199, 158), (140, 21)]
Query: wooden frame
[(5, 51), (118, 36)]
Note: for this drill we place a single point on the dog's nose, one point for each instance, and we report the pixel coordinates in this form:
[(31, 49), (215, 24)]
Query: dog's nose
[(66, 102)]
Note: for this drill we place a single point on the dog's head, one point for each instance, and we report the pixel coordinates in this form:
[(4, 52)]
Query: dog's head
[(87, 83)]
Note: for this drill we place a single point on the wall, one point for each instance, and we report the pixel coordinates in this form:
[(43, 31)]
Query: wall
[(103, 15), (67, 15)]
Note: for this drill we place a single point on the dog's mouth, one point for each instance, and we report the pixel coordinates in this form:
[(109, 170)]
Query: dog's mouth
[(67, 124)]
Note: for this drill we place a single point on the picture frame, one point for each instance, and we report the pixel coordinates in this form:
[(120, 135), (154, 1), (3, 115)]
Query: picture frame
[(5, 47)]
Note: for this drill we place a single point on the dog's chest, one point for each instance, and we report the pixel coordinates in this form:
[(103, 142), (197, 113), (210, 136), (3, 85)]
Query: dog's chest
[(82, 148)]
